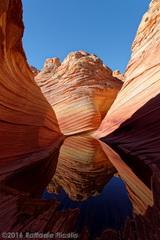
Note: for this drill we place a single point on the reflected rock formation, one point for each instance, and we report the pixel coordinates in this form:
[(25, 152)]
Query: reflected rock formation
[(80, 90), (132, 123), (33, 178), (21, 207), (28, 125), (140, 195), (83, 169)]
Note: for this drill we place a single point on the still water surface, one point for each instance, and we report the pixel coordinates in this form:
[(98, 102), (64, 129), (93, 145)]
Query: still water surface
[(82, 173), (109, 209)]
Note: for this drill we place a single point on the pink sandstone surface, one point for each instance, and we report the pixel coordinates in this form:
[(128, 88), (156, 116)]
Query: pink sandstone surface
[(142, 78), (119, 75), (29, 128), (80, 90), (27, 121)]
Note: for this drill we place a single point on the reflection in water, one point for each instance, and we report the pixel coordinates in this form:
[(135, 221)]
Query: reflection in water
[(81, 175), (34, 178), (84, 179), (83, 168), (140, 195), (109, 209)]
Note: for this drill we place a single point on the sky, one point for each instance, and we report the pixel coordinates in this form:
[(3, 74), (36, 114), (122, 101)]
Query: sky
[(54, 28)]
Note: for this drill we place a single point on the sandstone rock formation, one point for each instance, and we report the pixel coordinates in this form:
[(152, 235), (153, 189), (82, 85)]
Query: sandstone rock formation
[(141, 87), (132, 123), (22, 214), (33, 178), (140, 195), (27, 122), (118, 75), (29, 130), (34, 70), (80, 90), (83, 169)]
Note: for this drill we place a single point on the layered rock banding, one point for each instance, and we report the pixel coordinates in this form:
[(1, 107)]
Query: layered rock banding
[(83, 169), (29, 129), (142, 80), (33, 178), (27, 121), (80, 90), (132, 123), (140, 195)]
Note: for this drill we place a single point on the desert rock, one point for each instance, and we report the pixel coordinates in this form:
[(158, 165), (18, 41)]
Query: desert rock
[(118, 75), (34, 70), (81, 89), (140, 92), (28, 123), (140, 194), (83, 168)]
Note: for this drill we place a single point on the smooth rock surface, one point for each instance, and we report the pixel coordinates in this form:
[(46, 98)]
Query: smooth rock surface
[(80, 90), (142, 78), (27, 122)]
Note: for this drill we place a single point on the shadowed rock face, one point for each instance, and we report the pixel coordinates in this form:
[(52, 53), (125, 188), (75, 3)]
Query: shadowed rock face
[(142, 75), (83, 168), (132, 123), (34, 70), (80, 90), (27, 122), (34, 177), (23, 214)]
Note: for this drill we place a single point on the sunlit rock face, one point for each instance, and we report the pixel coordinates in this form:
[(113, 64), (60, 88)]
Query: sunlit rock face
[(83, 168), (139, 93), (28, 123), (80, 90), (119, 75)]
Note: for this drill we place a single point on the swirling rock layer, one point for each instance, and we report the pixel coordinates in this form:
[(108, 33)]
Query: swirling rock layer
[(27, 122), (132, 123), (140, 195), (138, 101), (80, 90), (83, 169)]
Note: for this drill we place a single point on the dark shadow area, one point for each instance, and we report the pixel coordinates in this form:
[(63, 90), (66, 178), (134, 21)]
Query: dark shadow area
[(139, 167), (33, 179), (21, 213), (109, 209), (92, 191), (140, 134), (137, 140)]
